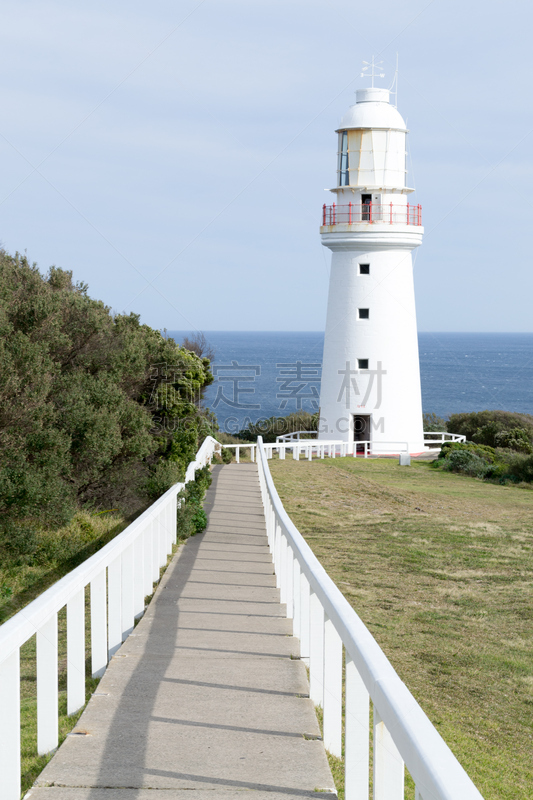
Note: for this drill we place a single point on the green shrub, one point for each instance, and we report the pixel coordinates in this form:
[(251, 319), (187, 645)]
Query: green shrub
[(516, 439), (519, 468), (485, 452), (480, 426), (92, 404), (227, 455), (191, 517), (433, 423), (466, 461)]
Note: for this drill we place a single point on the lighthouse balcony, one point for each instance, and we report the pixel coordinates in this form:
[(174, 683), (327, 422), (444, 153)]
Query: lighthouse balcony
[(356, 215)]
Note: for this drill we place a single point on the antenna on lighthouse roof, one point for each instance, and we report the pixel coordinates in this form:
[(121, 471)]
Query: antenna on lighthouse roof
[(394, 85), (372, 66)]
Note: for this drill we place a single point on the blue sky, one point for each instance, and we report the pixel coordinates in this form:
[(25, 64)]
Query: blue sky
[(174, 155)]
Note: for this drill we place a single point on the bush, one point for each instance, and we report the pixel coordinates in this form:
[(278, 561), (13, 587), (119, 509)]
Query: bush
[(226, 455), (191, 518), (518, 468), (434, 423), (488, 454), (467, 462), (484, 426), (96, 410), (516, 439)]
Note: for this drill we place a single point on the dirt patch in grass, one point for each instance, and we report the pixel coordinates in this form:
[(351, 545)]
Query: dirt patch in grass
[(440, 568)]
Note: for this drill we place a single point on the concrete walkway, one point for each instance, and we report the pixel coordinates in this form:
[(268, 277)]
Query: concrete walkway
[(207, 698)]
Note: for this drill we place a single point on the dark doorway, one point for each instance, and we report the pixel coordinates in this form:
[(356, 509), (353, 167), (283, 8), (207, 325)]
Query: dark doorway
[(361, 429), (366, 207)]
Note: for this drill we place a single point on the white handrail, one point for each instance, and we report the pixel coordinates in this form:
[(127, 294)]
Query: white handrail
[(120, 576), (288, 437), (243, 446), (324, 621), (442, 436)]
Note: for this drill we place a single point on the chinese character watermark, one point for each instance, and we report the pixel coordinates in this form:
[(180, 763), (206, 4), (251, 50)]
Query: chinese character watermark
[(234, 375), (349, 384), (297, 384)]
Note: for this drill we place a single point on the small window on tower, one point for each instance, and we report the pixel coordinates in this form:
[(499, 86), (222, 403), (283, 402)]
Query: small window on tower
[(344, 175), (364, 269), (362, 363), (364, 313)]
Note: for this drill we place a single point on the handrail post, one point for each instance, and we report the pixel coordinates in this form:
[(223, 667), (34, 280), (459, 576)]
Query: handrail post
[(334, 214), (47, 689), (289, 579), (357, 735), (389, 771), (283, 568), (126, 600), (10, 726), (113, 606), (324, 214), (98, 592), (350, 213), (370, 211), (316, 650), (305, 618), (391, 213), (76, 652), (408, 213), (332, 689), (296, 599)]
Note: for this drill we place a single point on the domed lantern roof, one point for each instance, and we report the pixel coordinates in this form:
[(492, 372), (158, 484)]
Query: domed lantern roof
[(372, 109)]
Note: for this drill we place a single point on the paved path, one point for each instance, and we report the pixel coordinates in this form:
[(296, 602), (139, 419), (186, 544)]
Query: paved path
[(207, 698)]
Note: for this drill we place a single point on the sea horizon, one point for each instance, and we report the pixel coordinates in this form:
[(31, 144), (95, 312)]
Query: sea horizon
[(257, 372)]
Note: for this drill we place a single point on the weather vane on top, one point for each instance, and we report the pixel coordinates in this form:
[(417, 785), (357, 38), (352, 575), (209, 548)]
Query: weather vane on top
[(372, 66)]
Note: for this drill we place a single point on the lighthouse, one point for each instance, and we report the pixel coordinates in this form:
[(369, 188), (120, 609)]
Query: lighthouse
[(370, 388)]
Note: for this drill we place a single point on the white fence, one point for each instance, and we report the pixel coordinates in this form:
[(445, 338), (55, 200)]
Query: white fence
[(120, 576), (439, 437), (431, 439), (325, 622), (239, 447)]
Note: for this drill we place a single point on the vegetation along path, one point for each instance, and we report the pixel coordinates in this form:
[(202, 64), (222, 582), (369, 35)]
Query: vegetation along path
[(440, 568), (208, 693)]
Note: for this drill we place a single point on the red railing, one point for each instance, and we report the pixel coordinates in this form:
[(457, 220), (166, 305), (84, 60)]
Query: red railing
[(354, 213)]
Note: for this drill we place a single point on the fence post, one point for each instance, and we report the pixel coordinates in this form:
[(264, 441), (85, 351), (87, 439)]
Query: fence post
[(289, 578), (126, 594), (332, 689), (138, 576), (98, 625), (389, 769), (305, 618), (47, 710), (277, 551), (114, 616), (316, 650), (296, 600), (357, 744), (76, 652), (10, 726), (283, 568)]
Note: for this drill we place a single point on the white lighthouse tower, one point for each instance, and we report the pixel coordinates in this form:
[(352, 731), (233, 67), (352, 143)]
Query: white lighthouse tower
[(370, 389)]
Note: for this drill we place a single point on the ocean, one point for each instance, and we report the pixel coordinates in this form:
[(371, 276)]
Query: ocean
[(264, 374)]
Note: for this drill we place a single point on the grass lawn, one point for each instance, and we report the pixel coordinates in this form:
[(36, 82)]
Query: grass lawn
[(439, 566)]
